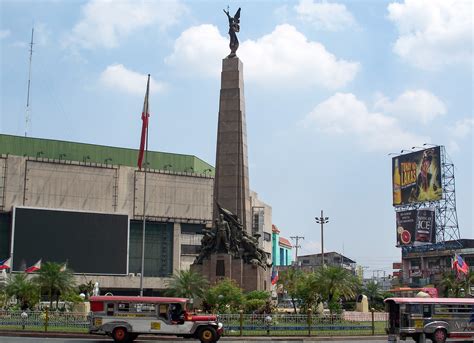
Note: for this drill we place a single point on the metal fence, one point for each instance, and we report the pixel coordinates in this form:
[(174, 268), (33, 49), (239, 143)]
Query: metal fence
[(234, 324), (301, 325), (44, 321)]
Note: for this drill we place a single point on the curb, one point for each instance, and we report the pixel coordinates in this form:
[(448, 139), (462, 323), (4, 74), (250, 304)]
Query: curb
[(230, 339)]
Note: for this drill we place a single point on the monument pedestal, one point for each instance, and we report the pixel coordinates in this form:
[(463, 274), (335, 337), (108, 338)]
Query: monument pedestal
[(220, 266)]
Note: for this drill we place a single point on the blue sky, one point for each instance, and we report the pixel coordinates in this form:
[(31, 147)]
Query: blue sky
[(331, 88)]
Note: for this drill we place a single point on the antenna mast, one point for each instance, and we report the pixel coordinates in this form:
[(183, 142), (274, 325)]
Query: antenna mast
[(27, 115)]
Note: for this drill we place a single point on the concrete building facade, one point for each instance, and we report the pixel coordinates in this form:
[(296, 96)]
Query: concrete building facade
[(425, 265), (282, 249), (313, 261), (48, 174)]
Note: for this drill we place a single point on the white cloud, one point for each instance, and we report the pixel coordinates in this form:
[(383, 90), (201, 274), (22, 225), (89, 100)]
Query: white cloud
[(413, 105), (197, 49), (344, 114), (324, 15), (4, 34), (105, 22), (462, 128), (118, 77), (283, 58), (433, 33), (42, 34)]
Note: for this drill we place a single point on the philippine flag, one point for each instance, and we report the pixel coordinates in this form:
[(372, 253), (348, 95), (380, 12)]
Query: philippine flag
[(460, 265), (274, 279), (6, 264), (34, 268)]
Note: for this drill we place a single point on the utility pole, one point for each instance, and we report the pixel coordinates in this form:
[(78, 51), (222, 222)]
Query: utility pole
[(27, 114), (322, 220), (296, 246)]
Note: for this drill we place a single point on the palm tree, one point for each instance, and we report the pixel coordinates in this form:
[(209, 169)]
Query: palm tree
[(25, 291), (468, 282), (309, 291), (451, 285), (290, 280), (54, 281), (374, 293), (187, 284), (336, 281)]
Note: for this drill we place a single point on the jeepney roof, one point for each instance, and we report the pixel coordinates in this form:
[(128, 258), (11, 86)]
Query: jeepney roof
[(431, 300), (138, 299)]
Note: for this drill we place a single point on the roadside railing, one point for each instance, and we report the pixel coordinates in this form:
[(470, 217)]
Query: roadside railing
[(44, 321), (303, 324), (239, 324)]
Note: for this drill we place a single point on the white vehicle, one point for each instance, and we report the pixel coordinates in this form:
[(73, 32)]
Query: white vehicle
[(124, 318)]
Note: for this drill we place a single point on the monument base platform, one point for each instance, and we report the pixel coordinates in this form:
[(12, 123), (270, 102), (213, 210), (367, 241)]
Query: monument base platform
[(220, 266)]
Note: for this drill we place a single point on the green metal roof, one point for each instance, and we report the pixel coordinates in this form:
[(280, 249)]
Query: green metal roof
[(91, 153)]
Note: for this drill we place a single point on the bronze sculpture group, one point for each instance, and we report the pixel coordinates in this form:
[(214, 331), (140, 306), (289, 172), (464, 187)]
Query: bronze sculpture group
[(228, 236)]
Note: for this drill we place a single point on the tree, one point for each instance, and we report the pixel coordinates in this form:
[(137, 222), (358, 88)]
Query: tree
[(226, 296), (257, 301), (54, 281), (451, 285), (187, 284), (468, 282), (25, 291), (289, 281), (375, 294), (308, 291), (335, 282)]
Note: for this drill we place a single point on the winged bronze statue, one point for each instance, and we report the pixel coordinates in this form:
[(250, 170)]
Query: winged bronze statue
[(234, 27)]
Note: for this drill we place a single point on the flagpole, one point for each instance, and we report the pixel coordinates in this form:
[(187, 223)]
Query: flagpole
[(144, 191)]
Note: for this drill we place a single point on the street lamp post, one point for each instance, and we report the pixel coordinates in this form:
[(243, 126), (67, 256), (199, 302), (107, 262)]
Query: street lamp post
[(322, 220)]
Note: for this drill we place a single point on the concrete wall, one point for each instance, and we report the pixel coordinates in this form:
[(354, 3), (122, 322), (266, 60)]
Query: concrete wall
[(171, 197), (267, 221), (109, 189)]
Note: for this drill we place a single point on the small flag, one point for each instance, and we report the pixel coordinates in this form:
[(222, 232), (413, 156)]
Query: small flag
[(460, 265), (6, 264), (274, 279), (34, 268), (63, 267), (145, 116)]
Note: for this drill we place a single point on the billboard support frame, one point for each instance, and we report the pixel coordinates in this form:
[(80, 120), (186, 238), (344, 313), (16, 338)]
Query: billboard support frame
[(447, 228)]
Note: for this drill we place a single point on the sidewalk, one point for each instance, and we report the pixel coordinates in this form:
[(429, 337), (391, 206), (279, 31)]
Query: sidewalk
[(280, 339)]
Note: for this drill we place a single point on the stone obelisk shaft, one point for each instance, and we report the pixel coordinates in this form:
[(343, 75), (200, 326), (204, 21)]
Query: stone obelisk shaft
[(231, 185)]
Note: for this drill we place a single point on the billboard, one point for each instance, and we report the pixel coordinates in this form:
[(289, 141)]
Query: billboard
[(416, 177), (415, 227), (93, 243)]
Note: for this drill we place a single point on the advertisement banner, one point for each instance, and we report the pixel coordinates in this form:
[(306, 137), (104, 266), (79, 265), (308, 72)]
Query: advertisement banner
[(415, 227), (416, 177)]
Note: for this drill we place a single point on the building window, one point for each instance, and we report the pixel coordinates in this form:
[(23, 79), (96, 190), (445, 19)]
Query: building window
[(220, 268), (267, 237), (258, 215), (187, 228), (305, 261), (282, 257), (187, 249)]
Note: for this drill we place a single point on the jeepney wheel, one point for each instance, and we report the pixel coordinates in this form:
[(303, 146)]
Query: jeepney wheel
[(439, 336), (207, 334), (120, 335)]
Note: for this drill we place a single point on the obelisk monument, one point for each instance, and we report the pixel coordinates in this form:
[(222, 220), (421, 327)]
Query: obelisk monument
[(231, 185), (228, 249)]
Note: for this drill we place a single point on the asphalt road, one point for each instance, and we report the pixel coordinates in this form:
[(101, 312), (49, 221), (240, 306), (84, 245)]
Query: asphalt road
[(228, 340)]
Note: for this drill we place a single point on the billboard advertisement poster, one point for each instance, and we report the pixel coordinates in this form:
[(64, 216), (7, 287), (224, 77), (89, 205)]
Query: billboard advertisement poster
[(415, 227), (416, 177), (406, 226), (425, 226)]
